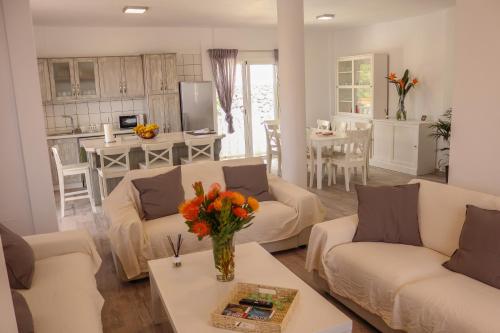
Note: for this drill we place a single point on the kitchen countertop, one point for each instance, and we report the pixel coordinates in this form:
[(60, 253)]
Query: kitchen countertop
[(56, 136), (91, 146)]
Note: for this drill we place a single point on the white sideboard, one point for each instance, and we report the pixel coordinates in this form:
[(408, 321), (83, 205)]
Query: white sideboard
[(404, 146)]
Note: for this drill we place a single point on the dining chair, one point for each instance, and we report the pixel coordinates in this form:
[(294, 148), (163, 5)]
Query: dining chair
[(157, 155), (366, 125), (324, 125), (115, 163), (312, 160), (200, 149), (354, 156), (340, 125), (71, 170), (273, 144)]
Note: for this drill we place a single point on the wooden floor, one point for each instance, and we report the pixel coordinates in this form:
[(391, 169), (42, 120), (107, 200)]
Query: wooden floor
[(127, 305)]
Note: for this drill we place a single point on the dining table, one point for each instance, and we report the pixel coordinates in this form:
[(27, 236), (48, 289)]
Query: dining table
[(136, 155), (319, 139)]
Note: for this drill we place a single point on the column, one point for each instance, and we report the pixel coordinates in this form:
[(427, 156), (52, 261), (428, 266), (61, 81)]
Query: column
[(292, 90)]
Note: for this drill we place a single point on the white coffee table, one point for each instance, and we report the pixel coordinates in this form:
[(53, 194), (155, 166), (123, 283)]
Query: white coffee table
[(188, 294)]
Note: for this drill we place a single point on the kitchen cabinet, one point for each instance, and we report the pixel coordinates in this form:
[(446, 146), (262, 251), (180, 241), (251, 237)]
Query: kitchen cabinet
[(404, 146), (74, 79), (121, 77), (164, 110), (161, 73), (43, 76)]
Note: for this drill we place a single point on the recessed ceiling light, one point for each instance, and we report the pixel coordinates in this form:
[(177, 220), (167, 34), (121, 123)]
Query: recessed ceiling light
[(325, 17), (135, 9)]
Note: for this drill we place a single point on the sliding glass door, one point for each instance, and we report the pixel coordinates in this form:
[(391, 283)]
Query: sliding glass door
[(254, 101)]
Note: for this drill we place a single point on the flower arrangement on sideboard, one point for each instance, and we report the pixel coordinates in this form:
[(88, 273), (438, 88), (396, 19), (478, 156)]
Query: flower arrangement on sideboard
[(403, 87)]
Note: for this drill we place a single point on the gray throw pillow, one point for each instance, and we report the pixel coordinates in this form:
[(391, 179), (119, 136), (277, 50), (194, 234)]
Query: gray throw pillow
[(24, 318), (249, 180), (478, 254), (388, 214), (19, 259), (160, 195)]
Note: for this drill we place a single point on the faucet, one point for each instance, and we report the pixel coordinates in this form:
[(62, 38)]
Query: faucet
[(74, 130)]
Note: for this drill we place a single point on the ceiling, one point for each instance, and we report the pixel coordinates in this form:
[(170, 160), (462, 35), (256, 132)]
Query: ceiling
[(224, 13)]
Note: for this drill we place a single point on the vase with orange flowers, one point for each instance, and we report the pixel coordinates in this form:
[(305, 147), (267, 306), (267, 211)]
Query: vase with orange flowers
[(403, 86), (219, 214)]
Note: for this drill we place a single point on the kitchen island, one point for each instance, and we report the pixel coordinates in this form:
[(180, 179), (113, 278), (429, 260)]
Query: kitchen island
[(92, 146)]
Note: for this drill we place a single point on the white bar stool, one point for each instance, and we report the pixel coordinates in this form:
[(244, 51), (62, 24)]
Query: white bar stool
[(71, 170), (199, 150), (115, 163), (157, 155)]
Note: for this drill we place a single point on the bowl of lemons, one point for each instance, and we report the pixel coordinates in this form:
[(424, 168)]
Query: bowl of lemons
[(147, 131)]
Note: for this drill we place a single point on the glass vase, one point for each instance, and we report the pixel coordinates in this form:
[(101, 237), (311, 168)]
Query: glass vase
[(223, 250), (401, 114)]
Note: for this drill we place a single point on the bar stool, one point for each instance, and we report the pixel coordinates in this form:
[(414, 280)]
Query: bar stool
[(199, 150), (157, 155), (71, 170), (115, 163)]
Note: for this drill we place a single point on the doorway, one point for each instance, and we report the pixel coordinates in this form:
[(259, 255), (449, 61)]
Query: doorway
[(254, 101)]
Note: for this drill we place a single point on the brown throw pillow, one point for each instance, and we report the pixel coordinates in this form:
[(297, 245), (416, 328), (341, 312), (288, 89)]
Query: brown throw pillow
[(24, 318), (19, 259), (388, 214), (478, 254), (249, 180), (160, 195)]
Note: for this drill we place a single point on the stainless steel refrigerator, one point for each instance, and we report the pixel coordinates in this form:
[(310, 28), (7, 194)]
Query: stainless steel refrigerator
[(196, 105)]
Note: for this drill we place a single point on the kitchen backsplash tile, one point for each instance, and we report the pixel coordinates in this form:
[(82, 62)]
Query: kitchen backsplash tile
[(70, 109), (94, 107), (116, 106), (128, 105), (82, 108)]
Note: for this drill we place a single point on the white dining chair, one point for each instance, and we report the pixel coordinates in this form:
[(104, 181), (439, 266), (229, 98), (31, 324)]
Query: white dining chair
[(340, 125), (323, 125), (354, 156), (313, 162), (200, 149), (115, 163), (157, 155), (71, 170), (273, 144)]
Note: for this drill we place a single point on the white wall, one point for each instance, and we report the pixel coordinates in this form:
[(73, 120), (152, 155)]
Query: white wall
[(26, 199), (475, 141), (100, 41), (423, 44)]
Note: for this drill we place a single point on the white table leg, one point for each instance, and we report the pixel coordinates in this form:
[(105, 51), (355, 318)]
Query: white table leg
[(319, 167), (159, 315)]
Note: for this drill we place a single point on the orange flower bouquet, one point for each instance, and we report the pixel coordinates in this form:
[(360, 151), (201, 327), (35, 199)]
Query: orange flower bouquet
[(219, 214), (403, 86)]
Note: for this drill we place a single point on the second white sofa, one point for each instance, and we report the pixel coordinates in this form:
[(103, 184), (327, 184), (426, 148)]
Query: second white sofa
[(278, 225), (403, 287)]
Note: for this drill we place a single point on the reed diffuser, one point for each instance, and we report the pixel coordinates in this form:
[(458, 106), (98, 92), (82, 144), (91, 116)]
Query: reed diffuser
[(176, 249)]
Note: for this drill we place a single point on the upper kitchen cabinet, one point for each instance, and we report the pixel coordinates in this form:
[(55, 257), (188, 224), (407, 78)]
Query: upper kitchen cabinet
[(161, 73), (74, 79), (43, 75), (121, 77)]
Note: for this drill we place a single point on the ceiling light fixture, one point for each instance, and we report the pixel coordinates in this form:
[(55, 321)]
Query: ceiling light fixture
[(325, 17), (135, 9)]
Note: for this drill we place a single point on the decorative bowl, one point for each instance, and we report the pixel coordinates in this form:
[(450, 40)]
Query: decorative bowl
[(147, 131)]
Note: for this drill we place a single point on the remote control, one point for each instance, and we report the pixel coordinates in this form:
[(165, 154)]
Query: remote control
[(252, 302)]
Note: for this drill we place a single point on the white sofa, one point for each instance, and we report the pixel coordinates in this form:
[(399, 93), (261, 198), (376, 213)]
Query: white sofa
[(63, 296), (278, 225), (401, 287)]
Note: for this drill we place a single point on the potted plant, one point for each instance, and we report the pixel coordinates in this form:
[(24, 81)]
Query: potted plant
[(403, 86), (442, 130), (219, 214)]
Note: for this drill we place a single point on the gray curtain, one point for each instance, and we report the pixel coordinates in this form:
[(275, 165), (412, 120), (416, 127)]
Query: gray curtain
[(224, 71)]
